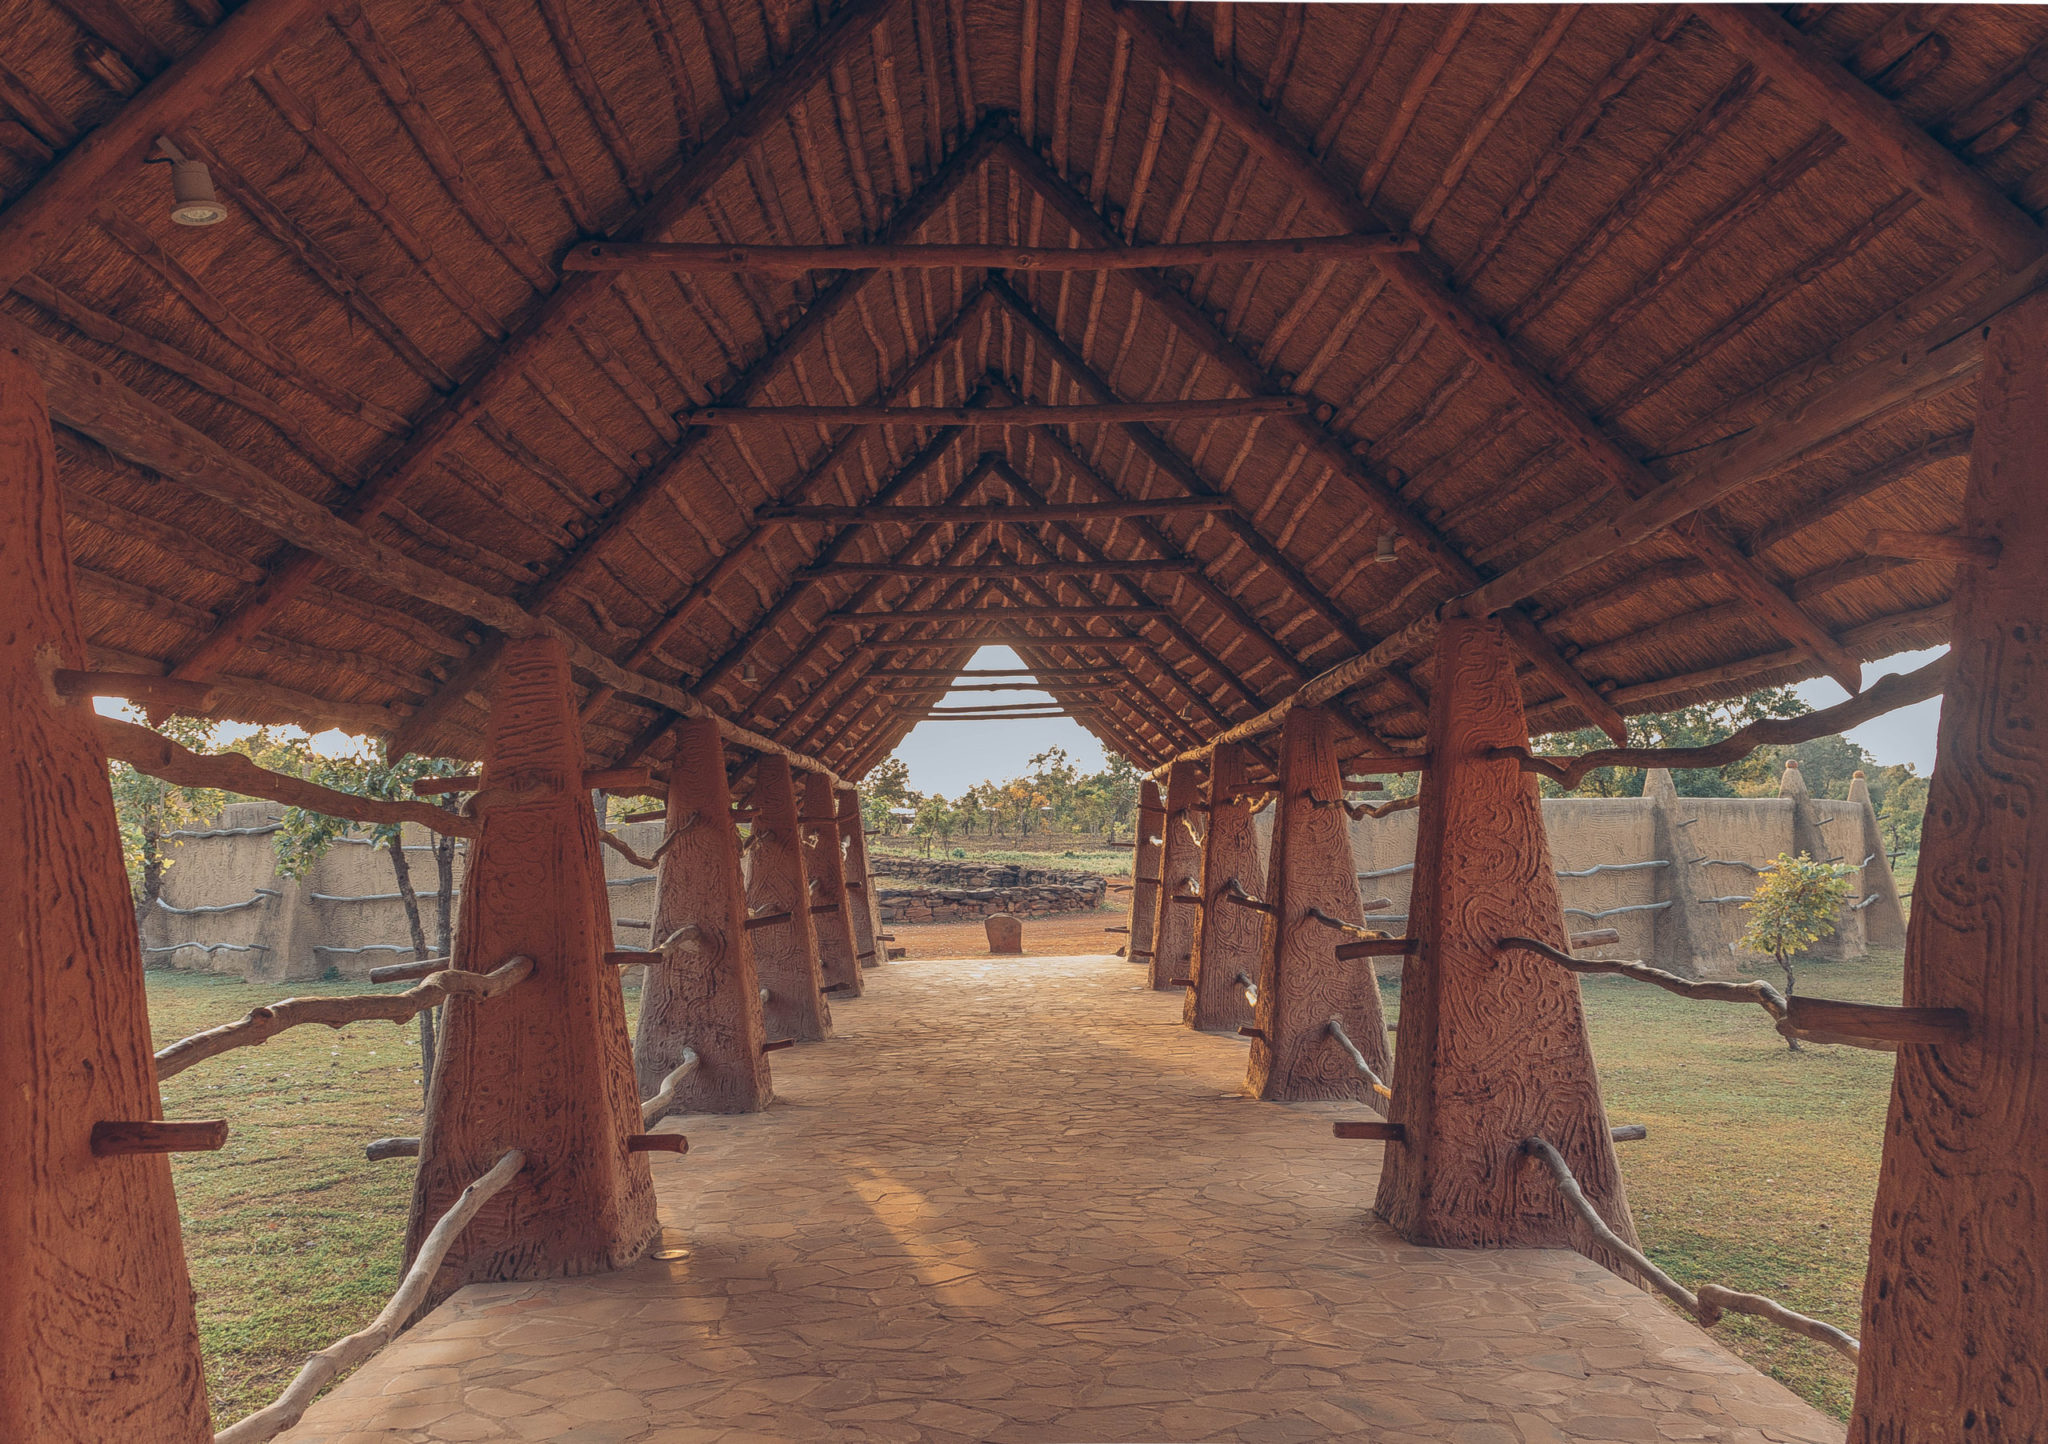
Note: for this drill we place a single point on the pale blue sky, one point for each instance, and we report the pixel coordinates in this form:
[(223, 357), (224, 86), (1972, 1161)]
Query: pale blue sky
[(950, 757)]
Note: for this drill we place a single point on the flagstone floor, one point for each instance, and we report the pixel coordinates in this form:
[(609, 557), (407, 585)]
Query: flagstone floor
[(1017, 1201)]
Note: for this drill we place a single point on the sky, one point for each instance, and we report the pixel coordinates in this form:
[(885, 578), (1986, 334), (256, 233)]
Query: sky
[(950, 757)]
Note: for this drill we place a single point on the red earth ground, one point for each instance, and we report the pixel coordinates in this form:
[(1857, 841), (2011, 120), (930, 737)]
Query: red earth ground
[(1067, 933)]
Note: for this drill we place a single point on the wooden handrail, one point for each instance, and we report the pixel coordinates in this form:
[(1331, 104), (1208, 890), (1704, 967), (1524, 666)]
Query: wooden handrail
[(322, 1368), (262, 1024)]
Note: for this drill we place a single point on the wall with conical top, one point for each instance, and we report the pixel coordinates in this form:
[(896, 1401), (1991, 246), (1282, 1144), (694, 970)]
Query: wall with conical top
[(547, 1066)]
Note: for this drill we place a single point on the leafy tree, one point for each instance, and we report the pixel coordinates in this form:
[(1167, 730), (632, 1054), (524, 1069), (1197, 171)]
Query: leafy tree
[(888, 786), (1686, 727), (1794, 906)]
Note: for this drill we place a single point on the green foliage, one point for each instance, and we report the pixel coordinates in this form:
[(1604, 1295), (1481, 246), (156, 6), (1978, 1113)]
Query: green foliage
[(1795, 904), (306, 836)]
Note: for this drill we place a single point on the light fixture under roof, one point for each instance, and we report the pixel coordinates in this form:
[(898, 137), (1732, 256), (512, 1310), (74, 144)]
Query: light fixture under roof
[(193, 202), (1385, 555), (747, 672)]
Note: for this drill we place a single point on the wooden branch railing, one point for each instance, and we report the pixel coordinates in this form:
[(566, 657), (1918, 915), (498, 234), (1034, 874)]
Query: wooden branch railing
[(1317, 915), (1877, 1026), (1358, 812), (263, 1024), (1358, 1060), (1233, 891), (652, 1108), (339, 1357), (156, 755), (698, 258), (1711, 1301), (1887, 694)]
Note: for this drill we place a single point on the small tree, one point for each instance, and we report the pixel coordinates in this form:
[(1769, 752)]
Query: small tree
[(1794, 906)]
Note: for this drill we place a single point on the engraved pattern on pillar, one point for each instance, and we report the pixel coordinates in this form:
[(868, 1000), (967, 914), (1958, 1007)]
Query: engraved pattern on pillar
[(706, 998), (1492, 1046), (1302, 983), (546, 1067), (1180, 871), (825, 870), (1145, 859), (853, 872), (785, 953), (1229, 939), (1955, 1303), (96, 1304)]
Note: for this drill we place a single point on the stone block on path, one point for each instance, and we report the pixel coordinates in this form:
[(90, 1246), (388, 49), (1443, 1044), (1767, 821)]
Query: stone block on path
[(1005, 933)]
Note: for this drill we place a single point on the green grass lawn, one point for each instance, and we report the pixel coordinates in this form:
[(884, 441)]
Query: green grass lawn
[(1758, 1172)]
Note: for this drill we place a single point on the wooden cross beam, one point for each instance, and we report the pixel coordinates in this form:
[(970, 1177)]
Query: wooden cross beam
[(1007, 614), (1175, 566), (1049, 674), (1088, 414), (886, 683), (798, 260), (1044, 511), (1288, 155), (1873, 125)]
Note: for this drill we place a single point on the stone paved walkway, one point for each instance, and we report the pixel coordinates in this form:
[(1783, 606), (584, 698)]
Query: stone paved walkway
[(1019, 1202)]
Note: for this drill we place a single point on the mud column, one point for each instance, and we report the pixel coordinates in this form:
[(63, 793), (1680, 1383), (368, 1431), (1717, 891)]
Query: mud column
[(1229, 939), (97, 1339), (1180, 872), (825, 871), (703, 994), (1145, 858), (547, 1066), (1302, 983), (853, 869), (1492, 1046), (1955, 1306), (779, 898)]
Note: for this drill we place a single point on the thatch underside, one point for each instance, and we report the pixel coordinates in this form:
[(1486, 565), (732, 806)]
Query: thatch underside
[(1663, 235)]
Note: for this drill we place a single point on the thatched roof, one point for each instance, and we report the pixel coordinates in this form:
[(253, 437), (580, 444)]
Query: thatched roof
[(1678, 250)]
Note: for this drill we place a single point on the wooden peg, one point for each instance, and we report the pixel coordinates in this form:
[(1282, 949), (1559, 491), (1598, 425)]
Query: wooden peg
[(111, 1139), (776, 1045), (1371, 1128), (1377, 948), (657, 1143)]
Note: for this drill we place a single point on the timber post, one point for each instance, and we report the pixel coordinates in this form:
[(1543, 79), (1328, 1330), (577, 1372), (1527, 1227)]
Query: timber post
[(97, 1305), (1954, 1309), (1303, 983), (825, 876), (1180, 874), (863, 907), (1492, 1045), (547, 1067), (785, 950), (703, 995), (1229, 939), (1145, 859)]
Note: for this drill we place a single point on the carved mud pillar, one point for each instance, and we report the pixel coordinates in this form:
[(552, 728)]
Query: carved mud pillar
[(546, 1067), (1302, 982), (1145, 859), (1884, 920), (1955, 1306), (704, 995), (1180, 872), (1229, 940), (1492, 1047), (862, 908), (825, 871), (786, 949), (97, 1339)]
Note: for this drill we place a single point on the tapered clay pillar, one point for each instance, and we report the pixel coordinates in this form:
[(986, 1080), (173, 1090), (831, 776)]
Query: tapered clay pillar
[(97, 1340), (825, 871), (853, 868), (1145, 871), (1955, 1308), (546, 1066), (1492, 1047), (1180, 872), (703, 995), (1302, 983), (785, 950), (1229, 940)]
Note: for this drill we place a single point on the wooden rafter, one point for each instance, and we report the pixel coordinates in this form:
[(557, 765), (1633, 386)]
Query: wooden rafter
[(1006, 569), (799, 260), (1412, 274), (1869, 122), (914, 515), (1215, 408)]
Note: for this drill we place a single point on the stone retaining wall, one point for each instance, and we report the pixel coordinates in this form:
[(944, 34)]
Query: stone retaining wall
[(952, 904)]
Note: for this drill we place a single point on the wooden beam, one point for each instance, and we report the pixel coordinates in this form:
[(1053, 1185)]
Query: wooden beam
[(798, 260), (550, 320), (1049, 674), (982, 614), (80, 181), (940, 515), (1270, 138), (1908, 154), (1212, 408), (1011, 640), (992, 710), (1065, 688), (1172, 566)]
